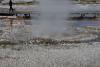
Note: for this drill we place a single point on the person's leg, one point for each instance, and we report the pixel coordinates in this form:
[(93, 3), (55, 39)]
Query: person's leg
[(10, 10)]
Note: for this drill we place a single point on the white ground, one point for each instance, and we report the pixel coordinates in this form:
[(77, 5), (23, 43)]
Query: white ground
[(52, 22), (81, 55)]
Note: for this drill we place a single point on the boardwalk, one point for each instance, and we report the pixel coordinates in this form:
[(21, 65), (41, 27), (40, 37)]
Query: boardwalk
[(4, 11)]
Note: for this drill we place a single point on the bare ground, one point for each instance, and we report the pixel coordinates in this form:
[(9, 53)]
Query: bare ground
[(78, 55)]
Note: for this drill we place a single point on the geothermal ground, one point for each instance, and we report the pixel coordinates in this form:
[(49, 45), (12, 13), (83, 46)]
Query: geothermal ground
[(59, 44), (69, 55)]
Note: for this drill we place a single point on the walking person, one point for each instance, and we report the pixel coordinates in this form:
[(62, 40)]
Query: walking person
[(11, 8)]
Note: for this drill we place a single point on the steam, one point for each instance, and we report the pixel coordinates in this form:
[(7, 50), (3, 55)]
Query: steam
[(52, 21)]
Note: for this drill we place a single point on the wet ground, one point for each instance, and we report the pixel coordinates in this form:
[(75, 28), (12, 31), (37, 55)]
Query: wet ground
[(52, 23), (49, 20)]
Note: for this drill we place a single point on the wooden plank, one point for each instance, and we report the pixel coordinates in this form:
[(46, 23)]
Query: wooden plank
[(8, 17), (14, 17)]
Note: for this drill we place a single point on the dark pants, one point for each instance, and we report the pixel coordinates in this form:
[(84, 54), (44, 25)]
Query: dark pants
[(10, 10)]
